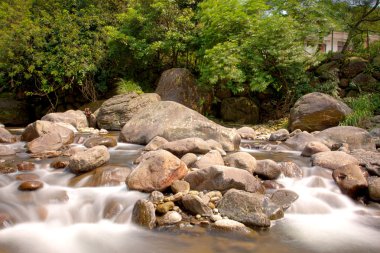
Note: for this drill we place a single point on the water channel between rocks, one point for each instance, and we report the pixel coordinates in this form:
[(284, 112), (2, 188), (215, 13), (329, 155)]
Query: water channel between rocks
[(59, 218)]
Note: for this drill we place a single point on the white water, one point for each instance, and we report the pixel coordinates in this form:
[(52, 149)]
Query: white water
[(59, 219)]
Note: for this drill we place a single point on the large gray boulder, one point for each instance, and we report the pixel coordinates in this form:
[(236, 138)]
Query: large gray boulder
[(116, 111), (44, 143), (179, 85), (333, 159), (356, 138), (89, 159), (156, 172), (222, 178), (245, 207), (317, 111), (75, 118), (174, 121), (42, 127), (241, 109)]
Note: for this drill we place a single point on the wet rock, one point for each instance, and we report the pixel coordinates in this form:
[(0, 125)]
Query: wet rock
[(143, 214), (180, 186), (355, 137), (108, 175), (155, 144), (300, 140), (279, 135), (27, 177), (188, 145), (314, 147), (6, 136), (222, 178), (247, 133), (239, 109), (369, 160), (333, 159), (351, 180), (226, 225), (30, 185), (374, 188), (211, 158), (75, 118), (5, 220), (174, 121), (195, 205), (7, 169), (169, 218), (189, 159), (156, 197), (284, 198), (40, 127), (317, 111), (46, 142), (116, 111), (59, 164), (241, 160), (88, 160), (157, 171), (290, 169), (112, 209), (179, 85), (244, 207), (100, 140), (267, 169), (6, 150), (26, 166), (165, 207), (272, 210)]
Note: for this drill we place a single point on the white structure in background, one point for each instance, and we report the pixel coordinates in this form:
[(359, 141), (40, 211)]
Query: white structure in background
[(335, 41)]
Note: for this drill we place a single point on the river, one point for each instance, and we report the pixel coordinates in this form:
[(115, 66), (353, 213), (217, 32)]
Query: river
[(59, 218)]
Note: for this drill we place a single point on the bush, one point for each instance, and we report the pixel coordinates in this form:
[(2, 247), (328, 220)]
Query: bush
[(363, 108), (124, 86)]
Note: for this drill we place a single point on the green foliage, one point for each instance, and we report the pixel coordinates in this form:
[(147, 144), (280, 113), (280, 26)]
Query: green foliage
[(363, 108), (124, 86)]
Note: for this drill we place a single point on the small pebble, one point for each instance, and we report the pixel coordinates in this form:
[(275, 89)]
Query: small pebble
[(198, 216)]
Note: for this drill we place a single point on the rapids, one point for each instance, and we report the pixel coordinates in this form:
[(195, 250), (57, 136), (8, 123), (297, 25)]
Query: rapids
[(59, 218)]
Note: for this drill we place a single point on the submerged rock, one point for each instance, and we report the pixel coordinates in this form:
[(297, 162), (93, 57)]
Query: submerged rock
[(30, 185), (156, 171), (90, 159), (290, 169), (174, 121)]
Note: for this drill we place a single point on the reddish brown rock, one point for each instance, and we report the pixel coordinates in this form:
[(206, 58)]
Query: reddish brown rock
[(30, 185), (26, 166), (27, 177)]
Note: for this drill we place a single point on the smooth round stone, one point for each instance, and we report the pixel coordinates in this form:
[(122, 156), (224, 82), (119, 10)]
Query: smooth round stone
[(30, 185), (26, 166), (170, 218), (227, 225), (27, 177), (59, 164)]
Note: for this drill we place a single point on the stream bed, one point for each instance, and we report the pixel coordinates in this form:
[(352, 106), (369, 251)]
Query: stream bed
[(59, 218)]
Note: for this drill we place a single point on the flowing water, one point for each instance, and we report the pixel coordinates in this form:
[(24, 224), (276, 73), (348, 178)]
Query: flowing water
[(58, 218)]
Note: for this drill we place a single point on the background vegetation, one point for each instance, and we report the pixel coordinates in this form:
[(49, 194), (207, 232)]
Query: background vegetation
[(49, 48)]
